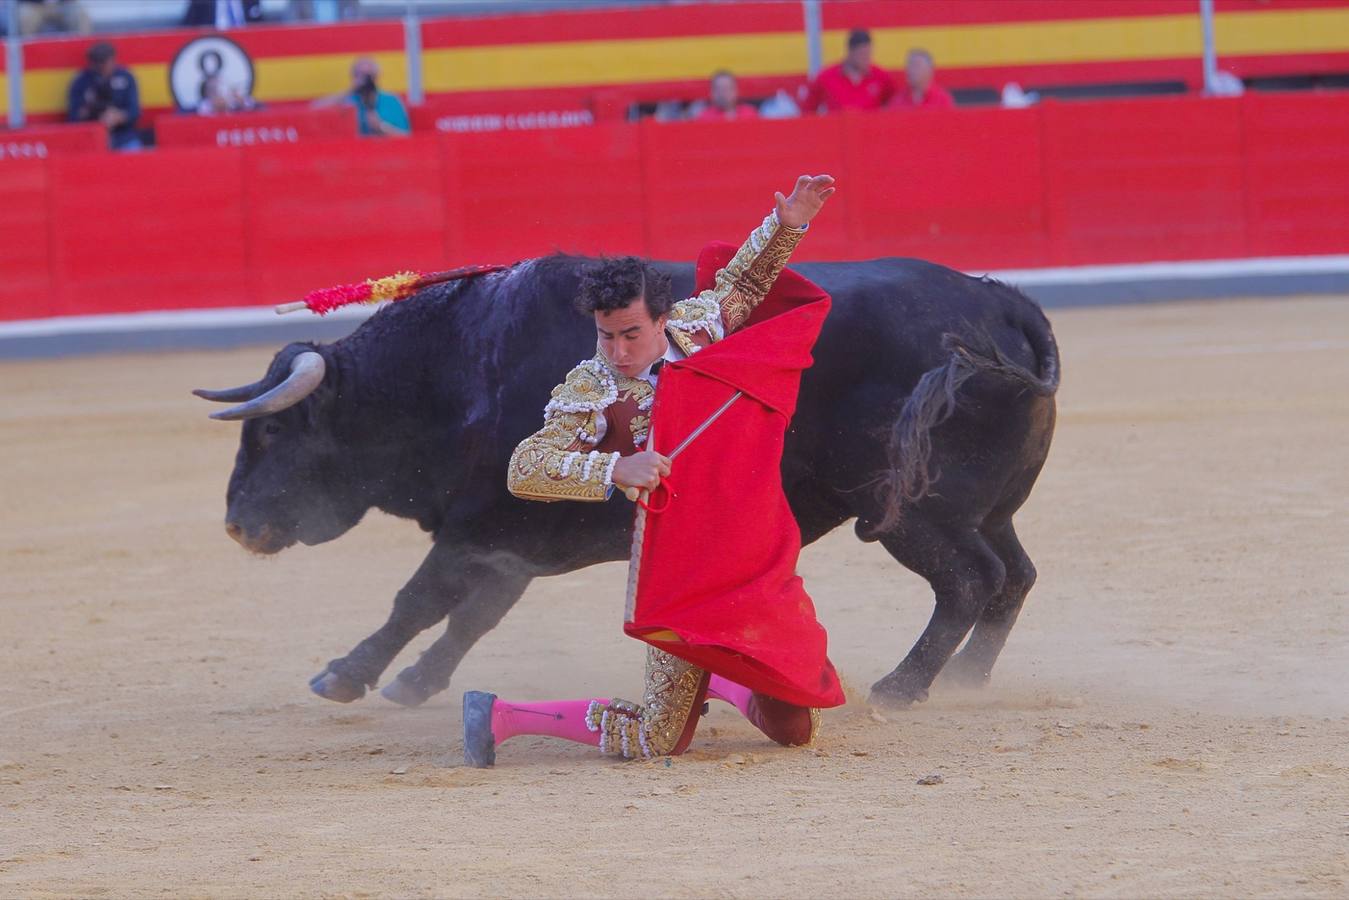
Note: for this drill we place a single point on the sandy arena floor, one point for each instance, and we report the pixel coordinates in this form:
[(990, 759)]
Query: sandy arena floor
[(1170, 717)]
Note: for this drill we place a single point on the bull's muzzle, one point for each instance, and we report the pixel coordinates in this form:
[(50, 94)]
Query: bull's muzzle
[(264, 540)]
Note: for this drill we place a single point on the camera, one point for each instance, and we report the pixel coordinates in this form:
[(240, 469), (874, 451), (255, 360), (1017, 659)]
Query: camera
[(367, 90), (99, 99)]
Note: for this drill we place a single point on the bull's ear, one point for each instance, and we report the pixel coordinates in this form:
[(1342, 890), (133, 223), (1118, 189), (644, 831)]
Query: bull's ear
[(319, 405)]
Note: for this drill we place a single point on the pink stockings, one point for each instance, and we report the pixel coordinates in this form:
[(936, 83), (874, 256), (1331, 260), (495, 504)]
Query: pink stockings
[(729, 692), (567, 718), (556, 718)]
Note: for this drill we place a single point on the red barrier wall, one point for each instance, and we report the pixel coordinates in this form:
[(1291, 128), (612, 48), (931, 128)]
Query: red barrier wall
[(715, 180), (268, 126), (341, 210), (967, 190), (456, 115), (1297, 179), (1060, 184), (1151, 179), (25, 248), (42, 141), (147, 230), (517, 194)]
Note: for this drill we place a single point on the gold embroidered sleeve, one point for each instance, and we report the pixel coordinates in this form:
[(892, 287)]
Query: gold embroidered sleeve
[(554, 464), (748, 277), (557, 462)]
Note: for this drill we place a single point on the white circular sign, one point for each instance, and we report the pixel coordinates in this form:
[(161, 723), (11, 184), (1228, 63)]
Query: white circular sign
[(202, 58)]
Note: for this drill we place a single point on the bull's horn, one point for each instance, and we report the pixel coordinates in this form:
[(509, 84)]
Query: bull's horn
[(234, 394), (306, 374)]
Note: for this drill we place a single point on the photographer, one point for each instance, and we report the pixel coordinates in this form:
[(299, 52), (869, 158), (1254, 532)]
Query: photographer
[(105, 92), (378, 112)]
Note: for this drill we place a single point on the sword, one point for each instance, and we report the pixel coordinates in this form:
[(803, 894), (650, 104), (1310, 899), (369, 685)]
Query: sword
[(633, 493)]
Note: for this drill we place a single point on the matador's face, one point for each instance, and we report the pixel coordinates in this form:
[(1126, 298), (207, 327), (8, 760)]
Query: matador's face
[(629, 338)]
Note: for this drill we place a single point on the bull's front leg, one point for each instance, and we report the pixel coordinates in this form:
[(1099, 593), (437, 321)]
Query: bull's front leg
[(488, 600), (445, 580)]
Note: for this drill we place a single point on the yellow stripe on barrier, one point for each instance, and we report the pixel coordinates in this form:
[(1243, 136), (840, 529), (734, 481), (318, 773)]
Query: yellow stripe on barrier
[(44, 90), (959, 46), (1112, 40), (616, 62), (305, 77), (1268, 33), (1041, 43), (610, 62)]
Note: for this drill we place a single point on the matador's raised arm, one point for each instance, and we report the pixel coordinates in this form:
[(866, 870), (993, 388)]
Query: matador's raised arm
[(748, 277), (744, 282)]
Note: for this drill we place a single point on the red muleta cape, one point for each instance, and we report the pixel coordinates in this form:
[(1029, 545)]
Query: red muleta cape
[(718, 565)]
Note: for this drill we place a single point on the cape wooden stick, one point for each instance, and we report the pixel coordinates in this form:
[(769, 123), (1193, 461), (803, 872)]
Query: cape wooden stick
[(635, 493)]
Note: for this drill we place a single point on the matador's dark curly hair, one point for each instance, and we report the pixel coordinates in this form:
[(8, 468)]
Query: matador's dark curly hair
[(613, 283)]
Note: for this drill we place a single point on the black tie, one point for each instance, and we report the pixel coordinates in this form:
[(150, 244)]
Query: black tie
[(656, 367)]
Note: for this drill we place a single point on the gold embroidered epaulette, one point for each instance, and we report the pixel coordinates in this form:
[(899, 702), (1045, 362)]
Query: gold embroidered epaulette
[(702, 313), (588, 388)]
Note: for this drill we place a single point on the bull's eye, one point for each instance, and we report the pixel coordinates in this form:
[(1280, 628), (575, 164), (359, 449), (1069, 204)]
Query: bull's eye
[(271, 428)]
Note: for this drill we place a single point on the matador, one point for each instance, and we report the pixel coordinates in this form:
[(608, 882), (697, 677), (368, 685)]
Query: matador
[(598, 434)]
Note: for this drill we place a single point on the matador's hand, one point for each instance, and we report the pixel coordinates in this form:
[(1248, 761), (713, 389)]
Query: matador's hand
[(641, 470), (806, 200)]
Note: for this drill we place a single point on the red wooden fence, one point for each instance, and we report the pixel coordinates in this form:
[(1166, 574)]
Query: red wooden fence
[(1060, 184)]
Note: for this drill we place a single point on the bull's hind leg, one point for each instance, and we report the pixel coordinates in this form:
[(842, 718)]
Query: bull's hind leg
[(974, 663), (965, 573), (469, 620)]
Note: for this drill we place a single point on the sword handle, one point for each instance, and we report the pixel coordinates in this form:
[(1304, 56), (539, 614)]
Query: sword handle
[(632, 493)]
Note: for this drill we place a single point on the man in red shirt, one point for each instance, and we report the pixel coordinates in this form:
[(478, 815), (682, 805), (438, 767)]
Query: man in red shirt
[(852, 84), (919, 89), (723, 101)]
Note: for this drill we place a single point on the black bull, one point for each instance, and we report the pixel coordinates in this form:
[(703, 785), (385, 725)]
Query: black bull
[(926, 417)]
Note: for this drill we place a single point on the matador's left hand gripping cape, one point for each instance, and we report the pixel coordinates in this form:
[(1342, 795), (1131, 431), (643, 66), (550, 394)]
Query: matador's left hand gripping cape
[(715, 571)]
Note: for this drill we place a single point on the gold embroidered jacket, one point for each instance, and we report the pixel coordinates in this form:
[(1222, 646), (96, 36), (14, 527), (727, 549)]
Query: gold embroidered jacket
[(598, 414)]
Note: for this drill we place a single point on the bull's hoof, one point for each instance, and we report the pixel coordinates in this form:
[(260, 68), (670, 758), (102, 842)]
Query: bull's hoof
[(404, 693), (897, 691), (966, 672), (331, 686)]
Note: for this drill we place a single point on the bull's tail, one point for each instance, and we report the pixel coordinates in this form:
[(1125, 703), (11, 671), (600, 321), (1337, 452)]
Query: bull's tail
[(934, 400)]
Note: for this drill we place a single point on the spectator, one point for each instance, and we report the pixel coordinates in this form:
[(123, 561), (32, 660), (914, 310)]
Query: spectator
[(105, 92), (222, 14), (54, 15), (378, 112), (723, 101), (852, 84), (920, 90), (217, 99)]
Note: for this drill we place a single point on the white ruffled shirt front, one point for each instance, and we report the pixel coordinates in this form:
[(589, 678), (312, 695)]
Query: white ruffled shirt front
[(672, 354)]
